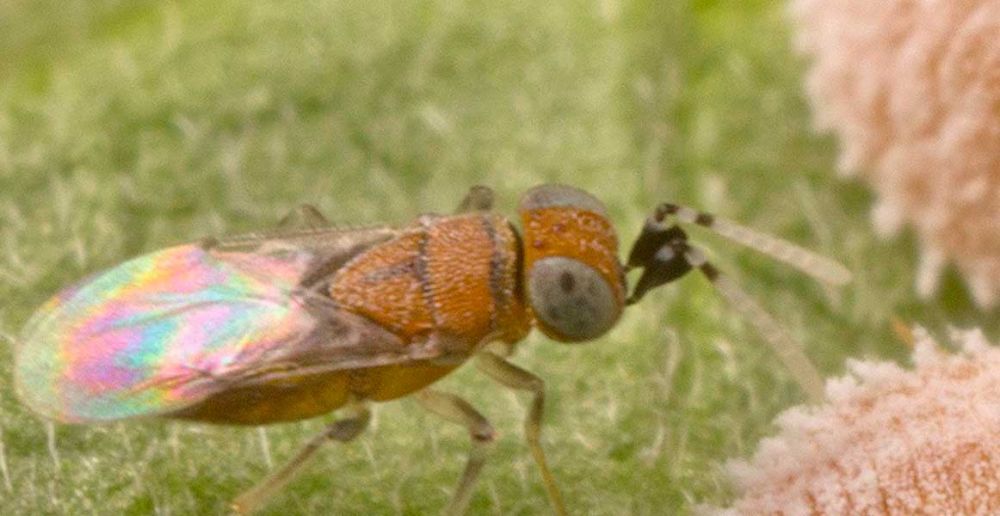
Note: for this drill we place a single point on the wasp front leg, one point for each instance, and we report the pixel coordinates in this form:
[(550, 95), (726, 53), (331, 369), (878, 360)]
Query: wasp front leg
[(513, 377), (305, 216), (455, 409)]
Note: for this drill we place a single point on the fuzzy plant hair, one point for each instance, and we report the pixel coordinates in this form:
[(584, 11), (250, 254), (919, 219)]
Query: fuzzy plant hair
[(912, 90), (887, 441)]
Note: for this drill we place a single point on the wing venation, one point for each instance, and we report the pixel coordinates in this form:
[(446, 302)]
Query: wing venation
[(168, 329)]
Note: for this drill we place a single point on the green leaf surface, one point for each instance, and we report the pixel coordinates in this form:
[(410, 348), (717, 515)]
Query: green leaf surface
[(130, 126)]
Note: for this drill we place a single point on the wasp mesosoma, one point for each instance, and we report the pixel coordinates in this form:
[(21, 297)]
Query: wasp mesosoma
[(306, 319)]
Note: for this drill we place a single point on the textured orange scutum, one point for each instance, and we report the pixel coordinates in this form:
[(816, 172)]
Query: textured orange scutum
[(575, 233), (466, 293), (383, 285), (459, 294), (459, 263), (471, 299)]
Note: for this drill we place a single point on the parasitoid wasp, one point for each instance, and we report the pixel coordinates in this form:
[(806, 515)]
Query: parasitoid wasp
[(309, 318)]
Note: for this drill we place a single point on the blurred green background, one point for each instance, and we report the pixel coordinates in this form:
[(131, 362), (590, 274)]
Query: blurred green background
[(129, 126)]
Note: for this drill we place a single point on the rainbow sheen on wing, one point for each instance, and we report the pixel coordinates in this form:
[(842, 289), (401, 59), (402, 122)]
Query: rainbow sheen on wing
[(154, 334)]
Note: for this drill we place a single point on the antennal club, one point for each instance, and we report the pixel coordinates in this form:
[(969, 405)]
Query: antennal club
[(663, 252)]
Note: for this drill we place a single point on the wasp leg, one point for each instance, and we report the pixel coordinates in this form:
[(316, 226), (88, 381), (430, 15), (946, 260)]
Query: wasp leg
[(513, 377), (305, 216), (457, 410), (343, 430), (501, 348), (479, 198)]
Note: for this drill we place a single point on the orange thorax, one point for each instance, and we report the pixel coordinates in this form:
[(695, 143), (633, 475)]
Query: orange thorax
[(457, 275)]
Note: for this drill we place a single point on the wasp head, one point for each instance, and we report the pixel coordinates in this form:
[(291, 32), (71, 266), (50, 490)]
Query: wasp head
[(575, 285)]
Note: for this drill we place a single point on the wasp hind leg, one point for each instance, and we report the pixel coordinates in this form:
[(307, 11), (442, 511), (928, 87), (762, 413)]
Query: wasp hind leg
[(513, 377), (455, 409), (479, 198), (305, 216), (343, 430)]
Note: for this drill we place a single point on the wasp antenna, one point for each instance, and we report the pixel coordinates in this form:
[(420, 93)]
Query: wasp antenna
[(819, 267), (788, 349)]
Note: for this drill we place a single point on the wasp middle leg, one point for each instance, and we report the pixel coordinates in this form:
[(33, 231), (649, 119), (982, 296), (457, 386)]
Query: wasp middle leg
[(343, 430), (455, 409), (513, 377)]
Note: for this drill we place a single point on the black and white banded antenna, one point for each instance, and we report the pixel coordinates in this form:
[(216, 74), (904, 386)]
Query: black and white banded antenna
[(664, 253), (789, 350), (819, 267)]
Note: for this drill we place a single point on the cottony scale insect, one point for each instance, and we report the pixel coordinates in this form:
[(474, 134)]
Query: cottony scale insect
[(307, 319)]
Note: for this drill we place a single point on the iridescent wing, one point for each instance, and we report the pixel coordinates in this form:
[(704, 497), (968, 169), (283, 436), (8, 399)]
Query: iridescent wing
[(168, 329)]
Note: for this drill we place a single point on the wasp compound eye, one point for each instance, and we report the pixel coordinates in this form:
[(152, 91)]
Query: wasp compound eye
[(572, 301), (575, 283)]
